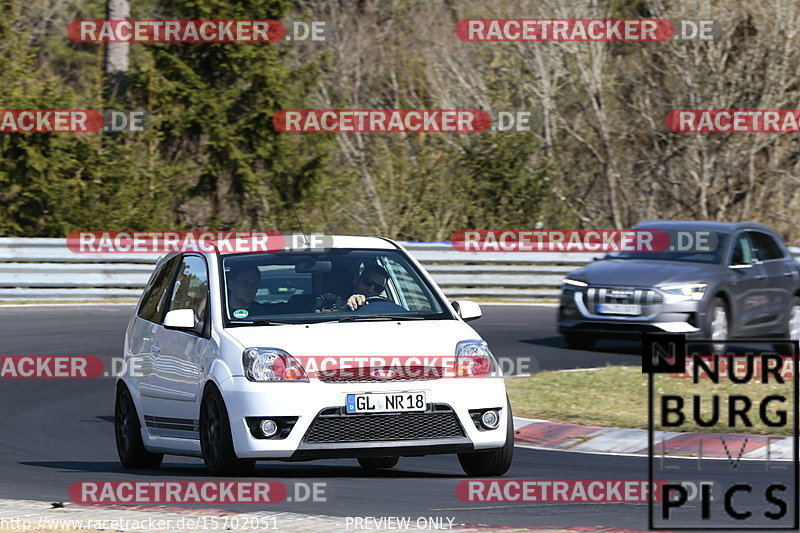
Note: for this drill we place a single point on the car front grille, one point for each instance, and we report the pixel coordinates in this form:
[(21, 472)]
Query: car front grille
[(647, 298), (440, 422), (380, 374)]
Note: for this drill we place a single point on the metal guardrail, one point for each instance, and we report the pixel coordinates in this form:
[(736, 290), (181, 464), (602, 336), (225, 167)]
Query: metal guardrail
[(46, 270)]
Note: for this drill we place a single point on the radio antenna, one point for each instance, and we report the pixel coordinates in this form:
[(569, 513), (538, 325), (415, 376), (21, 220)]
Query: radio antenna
[(305, 236)]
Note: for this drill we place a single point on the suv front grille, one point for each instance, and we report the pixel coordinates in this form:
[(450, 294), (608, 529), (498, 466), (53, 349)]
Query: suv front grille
[(647, 298), (441, 423)]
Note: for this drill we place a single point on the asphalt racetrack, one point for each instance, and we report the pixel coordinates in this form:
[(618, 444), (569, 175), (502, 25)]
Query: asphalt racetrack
[(54, 432)]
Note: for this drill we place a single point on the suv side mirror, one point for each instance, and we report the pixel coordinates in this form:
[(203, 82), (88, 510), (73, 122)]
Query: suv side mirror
[(182, 319), (467, 310)]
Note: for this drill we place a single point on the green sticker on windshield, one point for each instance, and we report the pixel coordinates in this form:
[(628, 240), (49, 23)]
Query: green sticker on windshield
[(240, 313)]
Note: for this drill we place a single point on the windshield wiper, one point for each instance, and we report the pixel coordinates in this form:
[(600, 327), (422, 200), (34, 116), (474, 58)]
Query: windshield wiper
[(263, 322), (359, 318)]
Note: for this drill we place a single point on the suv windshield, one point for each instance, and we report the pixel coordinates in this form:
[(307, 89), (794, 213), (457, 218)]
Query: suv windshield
[(689, 255), (338, 285)]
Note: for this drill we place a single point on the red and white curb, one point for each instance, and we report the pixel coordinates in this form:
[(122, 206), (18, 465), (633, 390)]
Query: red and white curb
[(594, 439)]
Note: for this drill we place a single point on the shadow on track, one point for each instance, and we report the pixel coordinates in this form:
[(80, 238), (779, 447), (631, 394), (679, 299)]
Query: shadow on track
[(262, 470)]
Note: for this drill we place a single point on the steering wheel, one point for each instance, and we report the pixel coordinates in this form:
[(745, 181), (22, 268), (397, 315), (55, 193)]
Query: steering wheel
[(379, 304)]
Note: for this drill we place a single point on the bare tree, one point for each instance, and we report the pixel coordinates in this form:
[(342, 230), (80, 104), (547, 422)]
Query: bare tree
[(116, 61)]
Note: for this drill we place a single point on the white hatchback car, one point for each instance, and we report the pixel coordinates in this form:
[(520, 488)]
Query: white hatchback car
[(347, 351)]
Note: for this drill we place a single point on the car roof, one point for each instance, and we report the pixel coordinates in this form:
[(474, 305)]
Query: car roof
[(327, 242), (296, 242), (719, 227)]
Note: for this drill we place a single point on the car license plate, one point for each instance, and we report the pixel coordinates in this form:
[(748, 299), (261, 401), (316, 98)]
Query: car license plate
[(386, 402), (619, 309)]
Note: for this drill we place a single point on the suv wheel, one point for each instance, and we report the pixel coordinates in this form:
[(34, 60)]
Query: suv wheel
[(128, 432), (793, 319), (579, 341), (376, 463), (216, 441), (491, 462), (718, 323)]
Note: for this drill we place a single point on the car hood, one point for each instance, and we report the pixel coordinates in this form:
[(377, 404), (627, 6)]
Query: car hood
[(384, 338), (643, 272)]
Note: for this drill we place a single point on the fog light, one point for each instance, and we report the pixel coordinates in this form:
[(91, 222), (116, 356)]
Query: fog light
[(268, 428), (490, 419)]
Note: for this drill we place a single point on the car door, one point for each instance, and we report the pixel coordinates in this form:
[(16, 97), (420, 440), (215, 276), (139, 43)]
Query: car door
[(172, 407), (747, 285), (778, 272), (141, 335)]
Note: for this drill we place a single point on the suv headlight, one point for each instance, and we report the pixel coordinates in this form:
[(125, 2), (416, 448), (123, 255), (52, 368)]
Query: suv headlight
[(574, 282), (474, 359), (684, 292), (272, 364)]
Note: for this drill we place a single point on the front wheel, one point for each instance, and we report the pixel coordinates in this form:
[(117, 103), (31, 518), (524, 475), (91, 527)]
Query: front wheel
[(128, 432), (216, 441), (793, 319), (718, 323), (791, 328), (491, 462)]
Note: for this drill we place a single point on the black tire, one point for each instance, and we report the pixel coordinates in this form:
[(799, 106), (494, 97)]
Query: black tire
[(216, 441), (789, 331), (579, 341), (710, 332), (491, 462), (377, 463), (128, 432)]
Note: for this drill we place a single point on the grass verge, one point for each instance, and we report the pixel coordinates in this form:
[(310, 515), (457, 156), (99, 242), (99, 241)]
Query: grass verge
[(616, 396)]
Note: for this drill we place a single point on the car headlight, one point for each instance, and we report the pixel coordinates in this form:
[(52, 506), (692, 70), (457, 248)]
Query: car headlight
[(473, 359), (272, 364), (685, 291), (574, 282)]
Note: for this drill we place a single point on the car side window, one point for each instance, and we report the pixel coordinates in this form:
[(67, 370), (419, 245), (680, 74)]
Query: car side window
[(153, 300), (765, 246), (191, 289), (408, 290), (742, 251)]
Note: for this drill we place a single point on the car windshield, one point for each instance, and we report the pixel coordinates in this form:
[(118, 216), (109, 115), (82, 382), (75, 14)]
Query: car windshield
[(337, 285), (687, 251)]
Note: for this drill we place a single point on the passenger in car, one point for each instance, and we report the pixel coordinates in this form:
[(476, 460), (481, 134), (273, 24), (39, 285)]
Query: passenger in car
[(243, 282), (336, 287)]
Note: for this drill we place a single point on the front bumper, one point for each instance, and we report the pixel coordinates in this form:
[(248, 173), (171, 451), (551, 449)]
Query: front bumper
[(667, 317), (310, 402)]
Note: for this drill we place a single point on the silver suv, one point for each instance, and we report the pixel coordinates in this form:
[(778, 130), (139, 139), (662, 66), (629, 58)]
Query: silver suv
[(746, 285)]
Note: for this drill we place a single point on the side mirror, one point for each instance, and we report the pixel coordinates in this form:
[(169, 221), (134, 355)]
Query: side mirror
[(180, 319), (467, 310)]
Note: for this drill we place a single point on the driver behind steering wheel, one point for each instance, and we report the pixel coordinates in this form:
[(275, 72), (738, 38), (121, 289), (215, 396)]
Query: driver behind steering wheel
[(369, 284)]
